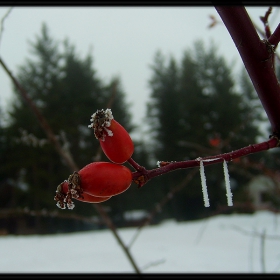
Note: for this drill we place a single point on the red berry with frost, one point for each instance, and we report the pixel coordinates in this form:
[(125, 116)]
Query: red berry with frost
[(114, 140), (98, 179)]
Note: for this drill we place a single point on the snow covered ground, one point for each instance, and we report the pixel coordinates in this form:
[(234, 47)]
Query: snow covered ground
[(221, 244)]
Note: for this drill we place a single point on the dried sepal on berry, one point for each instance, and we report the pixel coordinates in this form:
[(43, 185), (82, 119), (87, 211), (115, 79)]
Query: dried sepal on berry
[(101, 120), (74, 191), (64, 196), (60, 197)]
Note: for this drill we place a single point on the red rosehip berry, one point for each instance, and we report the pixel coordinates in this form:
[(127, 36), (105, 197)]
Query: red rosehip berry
[(105, 178), (98, 179), (114, 140)]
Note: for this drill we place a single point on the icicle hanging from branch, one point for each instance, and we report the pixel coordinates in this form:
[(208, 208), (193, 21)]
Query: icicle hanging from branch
[(229, 194), (203, 183)]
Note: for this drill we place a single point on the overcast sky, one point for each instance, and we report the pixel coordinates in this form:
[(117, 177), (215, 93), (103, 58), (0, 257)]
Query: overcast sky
[(123, 40)]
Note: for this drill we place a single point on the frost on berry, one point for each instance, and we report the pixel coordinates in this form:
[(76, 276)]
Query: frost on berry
[(100, 121), (59, 197), (74, 191)]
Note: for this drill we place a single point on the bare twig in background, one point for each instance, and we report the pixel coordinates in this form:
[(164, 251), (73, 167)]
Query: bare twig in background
[(199, 148), (2, 23), (263, 236), (67, 157), (4, 213), (160, 205), (251, 253), (202, 230), (42, 121), (262, 253), (155, 263)]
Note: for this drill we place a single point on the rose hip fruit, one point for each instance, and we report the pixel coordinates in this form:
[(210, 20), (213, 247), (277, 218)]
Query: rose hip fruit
[(114, 140), (86, 197), (101, 180), (104, 178)]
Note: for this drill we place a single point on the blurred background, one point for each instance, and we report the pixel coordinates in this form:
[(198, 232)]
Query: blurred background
[(173, 79)]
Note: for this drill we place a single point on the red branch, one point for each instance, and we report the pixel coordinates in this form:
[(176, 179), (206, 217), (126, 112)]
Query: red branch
[(275, 37), (257, 56), (142, 176)]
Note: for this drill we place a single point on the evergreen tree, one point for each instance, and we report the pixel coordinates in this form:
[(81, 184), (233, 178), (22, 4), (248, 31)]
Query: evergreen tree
[(164, 107), (68, 91), (191, 106)]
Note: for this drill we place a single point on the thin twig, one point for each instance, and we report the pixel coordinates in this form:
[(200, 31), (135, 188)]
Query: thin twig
[(2, 22), (154, 263), (262, 248), (161, 204), (4, 213), (67, 157), (254, 233)]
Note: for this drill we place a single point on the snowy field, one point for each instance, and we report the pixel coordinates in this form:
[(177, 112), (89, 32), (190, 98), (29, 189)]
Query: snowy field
[(221, 244)]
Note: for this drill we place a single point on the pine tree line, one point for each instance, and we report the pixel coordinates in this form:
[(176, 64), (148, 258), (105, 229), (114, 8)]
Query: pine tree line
[(196, 107)]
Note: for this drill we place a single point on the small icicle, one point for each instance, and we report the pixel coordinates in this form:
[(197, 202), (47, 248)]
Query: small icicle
[(203, 183), (229, 194)]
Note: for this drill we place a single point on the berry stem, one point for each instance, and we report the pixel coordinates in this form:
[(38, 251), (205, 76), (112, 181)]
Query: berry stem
[(141, 177), (135, 165)]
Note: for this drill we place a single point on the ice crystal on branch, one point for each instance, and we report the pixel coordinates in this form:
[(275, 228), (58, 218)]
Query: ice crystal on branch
[(203, 183), (229, 194)]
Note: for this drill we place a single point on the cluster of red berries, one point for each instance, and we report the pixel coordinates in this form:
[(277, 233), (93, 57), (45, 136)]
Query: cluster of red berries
[(99, 181)]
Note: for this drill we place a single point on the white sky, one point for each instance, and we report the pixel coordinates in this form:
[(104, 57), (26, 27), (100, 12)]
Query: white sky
[(124, 40)]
